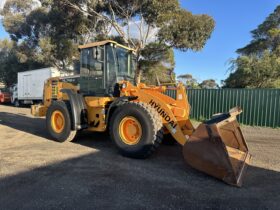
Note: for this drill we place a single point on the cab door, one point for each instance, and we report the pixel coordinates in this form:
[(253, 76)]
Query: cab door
[(92, 80)]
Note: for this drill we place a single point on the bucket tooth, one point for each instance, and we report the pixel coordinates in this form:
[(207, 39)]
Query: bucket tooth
[(218, 148)]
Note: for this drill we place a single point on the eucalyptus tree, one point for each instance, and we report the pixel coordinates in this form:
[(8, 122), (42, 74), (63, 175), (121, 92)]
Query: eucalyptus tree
[(49, 31), (258, 63)]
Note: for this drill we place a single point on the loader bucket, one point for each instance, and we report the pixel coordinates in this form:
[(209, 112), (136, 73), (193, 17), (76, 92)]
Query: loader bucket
[(218, 148)]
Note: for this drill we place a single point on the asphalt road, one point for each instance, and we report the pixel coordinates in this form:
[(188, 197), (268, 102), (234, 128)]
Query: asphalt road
[(38, 173)]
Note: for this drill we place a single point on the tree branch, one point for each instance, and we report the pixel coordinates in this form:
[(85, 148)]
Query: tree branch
[(102, 16), (147, 34)]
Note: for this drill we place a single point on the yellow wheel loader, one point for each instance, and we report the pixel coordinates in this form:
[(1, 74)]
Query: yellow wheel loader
[(138, 116)]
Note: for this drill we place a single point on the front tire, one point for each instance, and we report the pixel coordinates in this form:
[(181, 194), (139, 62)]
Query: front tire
[(135, 129), (58, 122)]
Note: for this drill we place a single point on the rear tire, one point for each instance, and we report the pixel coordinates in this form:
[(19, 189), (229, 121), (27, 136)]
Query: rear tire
[(150, 130), (59, 127)]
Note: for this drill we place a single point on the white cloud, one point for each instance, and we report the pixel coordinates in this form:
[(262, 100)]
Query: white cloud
[(134, 31), (2, 3)]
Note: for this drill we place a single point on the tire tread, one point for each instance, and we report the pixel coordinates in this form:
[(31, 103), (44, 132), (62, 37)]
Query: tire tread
[(156, 122)]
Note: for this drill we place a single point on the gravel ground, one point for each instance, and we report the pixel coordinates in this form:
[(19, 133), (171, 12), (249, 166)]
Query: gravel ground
[(38, 173)]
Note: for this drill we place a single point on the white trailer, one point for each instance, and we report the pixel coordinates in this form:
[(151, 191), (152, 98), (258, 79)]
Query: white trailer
[(30, 86)]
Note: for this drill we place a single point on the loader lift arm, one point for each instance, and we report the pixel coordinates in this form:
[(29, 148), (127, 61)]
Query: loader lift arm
[(174, 112), (217, 147)]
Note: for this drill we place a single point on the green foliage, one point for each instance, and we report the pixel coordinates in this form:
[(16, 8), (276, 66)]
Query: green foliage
[(48, 33), (44, 34), (184, 31), (15, 14), (188, 81), (209, 84), (192, 83), (157, 63), (175, 27), (265, 37), (258, 65), (255, 72), (11, 62)]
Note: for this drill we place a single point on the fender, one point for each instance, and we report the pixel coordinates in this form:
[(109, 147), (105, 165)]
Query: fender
[(116, 103), (78, 109)]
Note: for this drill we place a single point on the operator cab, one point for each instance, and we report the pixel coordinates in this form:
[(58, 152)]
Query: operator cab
[(104, 64)]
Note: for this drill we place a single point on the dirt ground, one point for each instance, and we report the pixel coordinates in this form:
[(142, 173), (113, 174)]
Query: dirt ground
[(38, 173)]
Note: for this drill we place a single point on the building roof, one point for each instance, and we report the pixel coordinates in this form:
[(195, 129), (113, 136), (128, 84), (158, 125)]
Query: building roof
[(95, 44)]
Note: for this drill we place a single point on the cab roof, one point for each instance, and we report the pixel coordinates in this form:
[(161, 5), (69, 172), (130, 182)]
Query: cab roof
[(95, 44)]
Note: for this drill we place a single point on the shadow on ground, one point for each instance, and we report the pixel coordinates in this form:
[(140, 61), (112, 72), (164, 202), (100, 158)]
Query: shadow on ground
[(105, 180), (22, 122)]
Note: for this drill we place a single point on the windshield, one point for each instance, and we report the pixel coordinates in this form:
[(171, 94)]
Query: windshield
[(125, 63), (104, 66)]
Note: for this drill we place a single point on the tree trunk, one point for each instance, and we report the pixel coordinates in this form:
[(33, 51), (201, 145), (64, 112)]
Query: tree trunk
[(138, 76), (138, 71)]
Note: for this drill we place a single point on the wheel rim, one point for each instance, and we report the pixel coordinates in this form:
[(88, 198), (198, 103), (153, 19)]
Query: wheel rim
[(130, 130), (57, 121)]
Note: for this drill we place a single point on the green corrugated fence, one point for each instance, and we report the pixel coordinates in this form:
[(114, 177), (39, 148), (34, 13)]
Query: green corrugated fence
[(261, 107)]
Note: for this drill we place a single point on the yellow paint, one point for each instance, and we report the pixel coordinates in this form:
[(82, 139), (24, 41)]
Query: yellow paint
[(52, 89), (174, 113), (38, 110), (177, 110), (101, 43), (96, 112), (57, 121), (98, 101), (96, 119), (130, 130)]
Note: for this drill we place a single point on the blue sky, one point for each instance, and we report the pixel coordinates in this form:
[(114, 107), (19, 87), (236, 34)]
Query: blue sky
[(234, 21)]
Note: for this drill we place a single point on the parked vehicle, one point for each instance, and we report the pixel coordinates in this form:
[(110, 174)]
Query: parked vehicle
[(5, 96), (138, 116), (29, 89)]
